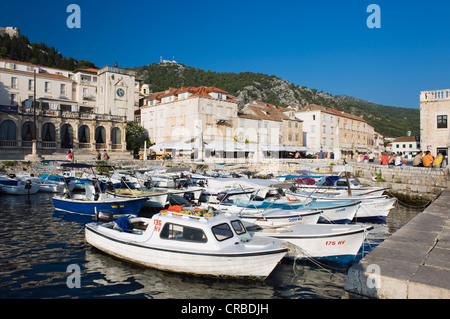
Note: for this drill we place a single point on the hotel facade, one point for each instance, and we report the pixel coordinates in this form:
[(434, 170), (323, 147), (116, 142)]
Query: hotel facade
[(83, 110)]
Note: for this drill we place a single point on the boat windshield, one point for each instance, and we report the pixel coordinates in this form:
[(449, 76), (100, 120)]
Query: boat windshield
[(222, 231), (238, 227), (185, 233)]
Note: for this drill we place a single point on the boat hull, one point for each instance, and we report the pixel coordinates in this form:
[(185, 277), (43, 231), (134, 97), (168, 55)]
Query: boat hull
[(20, 190), (375, 211), (250, 265), (119, 206), (334, 243)]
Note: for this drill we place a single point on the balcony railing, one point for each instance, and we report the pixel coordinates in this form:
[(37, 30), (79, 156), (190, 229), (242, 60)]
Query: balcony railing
[(6, 143), (435, 95)]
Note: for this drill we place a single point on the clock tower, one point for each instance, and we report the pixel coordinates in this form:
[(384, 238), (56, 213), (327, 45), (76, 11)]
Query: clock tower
[(116, 92)]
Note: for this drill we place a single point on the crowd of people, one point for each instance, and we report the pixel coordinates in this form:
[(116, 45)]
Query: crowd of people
[(421, 159)]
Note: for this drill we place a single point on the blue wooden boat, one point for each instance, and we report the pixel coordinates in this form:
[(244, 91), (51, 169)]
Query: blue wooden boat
[(94, 200), (116, 206)]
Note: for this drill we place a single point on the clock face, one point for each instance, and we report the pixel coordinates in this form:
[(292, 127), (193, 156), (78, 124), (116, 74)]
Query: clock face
[(120, 92)]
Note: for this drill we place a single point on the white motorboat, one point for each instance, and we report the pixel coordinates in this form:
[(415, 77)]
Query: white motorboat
[(337, 184), (19, 185), (371, 208), (339, 212), (336, 243), (272, 217), (210, 245)]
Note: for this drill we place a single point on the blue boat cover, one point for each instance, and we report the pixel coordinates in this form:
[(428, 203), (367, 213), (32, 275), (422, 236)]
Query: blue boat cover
[(123, 223), (332, 178)]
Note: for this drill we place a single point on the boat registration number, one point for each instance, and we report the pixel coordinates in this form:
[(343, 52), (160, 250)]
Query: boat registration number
[(157, 223), (333, 243)]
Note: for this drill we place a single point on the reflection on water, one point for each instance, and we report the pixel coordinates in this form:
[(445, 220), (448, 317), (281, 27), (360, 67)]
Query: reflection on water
[(37, 245)]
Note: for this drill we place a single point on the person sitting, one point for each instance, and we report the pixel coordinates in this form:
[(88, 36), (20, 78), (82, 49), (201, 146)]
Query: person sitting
[(417, 161), (427, 160)]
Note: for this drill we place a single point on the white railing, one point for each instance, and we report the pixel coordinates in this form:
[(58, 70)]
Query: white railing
[(435, 95)]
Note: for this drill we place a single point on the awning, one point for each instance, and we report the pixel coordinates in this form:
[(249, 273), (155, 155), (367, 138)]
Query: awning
[(229, 146), (176, 145), (281, 148)]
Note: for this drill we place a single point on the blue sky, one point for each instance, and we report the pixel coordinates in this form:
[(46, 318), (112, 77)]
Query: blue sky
[(324, 45)]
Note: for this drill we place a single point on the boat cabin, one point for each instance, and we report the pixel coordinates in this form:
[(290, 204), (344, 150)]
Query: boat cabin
[(184, 229)]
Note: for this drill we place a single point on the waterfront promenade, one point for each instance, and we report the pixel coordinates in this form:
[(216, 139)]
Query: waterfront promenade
[(414, 263)]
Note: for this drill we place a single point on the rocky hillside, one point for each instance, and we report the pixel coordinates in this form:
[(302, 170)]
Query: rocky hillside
[(246, 86)]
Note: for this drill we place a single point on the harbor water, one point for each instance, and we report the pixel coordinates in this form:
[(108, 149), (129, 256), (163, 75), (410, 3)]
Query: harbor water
[(41, 250)]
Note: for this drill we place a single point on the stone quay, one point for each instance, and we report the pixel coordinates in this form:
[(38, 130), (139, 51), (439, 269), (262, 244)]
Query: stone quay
[(414, 263)]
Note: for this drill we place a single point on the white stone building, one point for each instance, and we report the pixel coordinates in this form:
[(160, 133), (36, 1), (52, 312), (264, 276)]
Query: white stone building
[(407, 145), (329, 130), (434, 113), (193, 119), (75, 110)]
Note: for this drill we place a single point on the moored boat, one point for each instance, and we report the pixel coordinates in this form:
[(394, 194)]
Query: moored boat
[(334, 243), (340, 212), (218, 245), (18, 185)]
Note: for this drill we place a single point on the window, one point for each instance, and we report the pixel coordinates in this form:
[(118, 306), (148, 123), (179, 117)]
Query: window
[(222, 232), (183, 233), (47, 87), (30, 85), (63, 89), (404, 145), (314, 117), (13, 99), (13, 83), (85, 92), (238, 227), (442, 121)]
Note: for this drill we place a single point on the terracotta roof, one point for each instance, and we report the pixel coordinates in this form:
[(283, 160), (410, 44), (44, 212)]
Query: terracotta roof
[(41, 74), (315, 107), (405, 139), (90, 70), (27, 63), (195, 91)]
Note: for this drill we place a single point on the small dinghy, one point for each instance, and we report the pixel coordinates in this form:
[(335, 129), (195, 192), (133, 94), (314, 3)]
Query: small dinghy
[(207, 244), (19, 185)]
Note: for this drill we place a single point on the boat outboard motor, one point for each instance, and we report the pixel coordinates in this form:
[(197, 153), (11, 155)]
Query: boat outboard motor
[(110, 186), (104, 216), (67, 181), (28, 184), (148, 183), (189, 196)]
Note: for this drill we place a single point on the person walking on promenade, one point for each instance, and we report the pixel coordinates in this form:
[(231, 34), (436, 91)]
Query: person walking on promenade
[(99, 156), (70, 155), (427, 160), (417, 161)]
